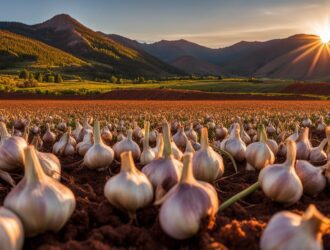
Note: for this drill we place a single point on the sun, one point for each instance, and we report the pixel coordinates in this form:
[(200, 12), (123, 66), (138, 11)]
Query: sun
[(325, 36)]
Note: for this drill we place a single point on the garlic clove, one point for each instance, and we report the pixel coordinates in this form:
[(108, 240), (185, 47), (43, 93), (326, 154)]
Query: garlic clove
[(129, 190), (187, 204), (42, 203), (11, 231)]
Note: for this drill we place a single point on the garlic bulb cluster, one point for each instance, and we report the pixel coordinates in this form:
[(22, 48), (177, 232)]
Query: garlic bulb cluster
[(11, 231), (280, 182), (11, 150), (127, 144), (147, 154), (287, 230), (66, 146), (42, 203), (130, 189), (312, 178), (187, 204), (207, 164), (164, 172), (258, 154), (234, 144), (85, 144), (303, 145), (99, 156)]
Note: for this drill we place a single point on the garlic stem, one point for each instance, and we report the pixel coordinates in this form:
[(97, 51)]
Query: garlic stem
[(97, 133), (239, 196), (231, 158), (187, 173), (33, 169), (204, 138), (146, 134), (3, 131), (322, 144), (291, 153), (127, 163), (262, 133), (314, 220), (167, 140)]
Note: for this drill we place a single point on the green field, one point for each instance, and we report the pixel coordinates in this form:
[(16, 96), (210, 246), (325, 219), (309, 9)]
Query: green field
[(229, 85)]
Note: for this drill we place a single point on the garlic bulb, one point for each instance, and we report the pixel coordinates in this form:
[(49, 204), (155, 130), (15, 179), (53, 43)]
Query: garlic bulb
[(234, 144), (66, 145), (127, 144), (321, 124), (147, 154), (179, 137), (280, 182), (99, 156), (129, 190), (270, 129), (136, 130), (11, 150), (85, 129), (303, 145), (258, 154), (191, 133), (307, 122), (207, 164), (77, 130), (312, 177), (11, 231), (287, 230), (62, 126), (187, 205), (85, 144), (42, 203), (221, 132), (327, 133), (294, 137), (317, 154), (153, 136), (176, 151), (244, 136), (106, 135), (164, 172), (49, 136), (50, 164)]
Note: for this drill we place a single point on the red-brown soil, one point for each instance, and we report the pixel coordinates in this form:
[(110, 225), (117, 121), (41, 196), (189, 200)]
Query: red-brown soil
[(155, 94), (309, 88)]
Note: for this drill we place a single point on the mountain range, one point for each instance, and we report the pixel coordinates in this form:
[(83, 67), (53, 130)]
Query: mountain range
[(65, 43)]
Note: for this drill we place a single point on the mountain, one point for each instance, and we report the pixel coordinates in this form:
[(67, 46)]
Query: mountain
[(105, 55), (16, 50)]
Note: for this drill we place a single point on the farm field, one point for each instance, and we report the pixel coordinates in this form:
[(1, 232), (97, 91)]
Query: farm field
[(98, 224)]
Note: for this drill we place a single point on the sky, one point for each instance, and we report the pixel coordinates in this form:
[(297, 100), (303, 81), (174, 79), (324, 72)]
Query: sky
[(212, 23)]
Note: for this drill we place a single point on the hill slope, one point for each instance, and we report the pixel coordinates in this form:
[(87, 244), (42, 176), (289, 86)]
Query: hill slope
[(16, 49), (105, 54)]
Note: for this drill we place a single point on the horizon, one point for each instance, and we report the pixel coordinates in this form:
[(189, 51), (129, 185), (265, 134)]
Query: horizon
[(217, 30)]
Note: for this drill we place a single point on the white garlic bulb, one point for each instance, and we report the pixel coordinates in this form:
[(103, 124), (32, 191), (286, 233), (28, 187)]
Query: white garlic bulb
[(85, 144), (77, 130), (136, 130), (164, 172), (85, 129), (11, 150), (191, 133), (66, 145), (187, 204), (303, 145), (11, 231), (147, 154), (280, 182), (312, 178), (258, 154), (234, 144), (153, 136), (99, 156), (321, 125), (179, 137), (307, 122), (127, 144), (317, 154), (207, 164), (49, 136), (130, 189), (42, 203), (287, 230), (106, 135), (221, 132)]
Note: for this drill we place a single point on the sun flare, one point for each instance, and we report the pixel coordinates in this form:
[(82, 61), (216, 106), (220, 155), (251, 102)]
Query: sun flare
[(325, 36)]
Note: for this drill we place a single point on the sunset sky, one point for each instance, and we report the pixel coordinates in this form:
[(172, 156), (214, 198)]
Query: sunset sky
[(213, 23)]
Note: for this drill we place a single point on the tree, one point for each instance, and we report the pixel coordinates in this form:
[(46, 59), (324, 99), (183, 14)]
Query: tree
[(50, 78), (40, 77), (24, 74), (113, 79), (58, 78)]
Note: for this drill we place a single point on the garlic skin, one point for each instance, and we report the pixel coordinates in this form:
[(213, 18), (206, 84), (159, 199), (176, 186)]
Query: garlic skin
[(42, 203), (303, 145), (99, 156), (207, 164), (11, 150), (129, 190), (164, 172), (11, 231), (258, 154), (317, 154), (287, 230), (127, 144), (85, 144), (49, 137), (312, 177), (280, 182), (147, 154), (187, 204), (234, 144)]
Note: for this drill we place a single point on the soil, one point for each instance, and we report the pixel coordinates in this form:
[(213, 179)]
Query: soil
[(95, 224), (157, 94), (309, 88)]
